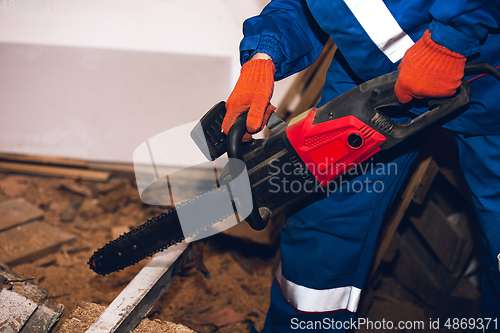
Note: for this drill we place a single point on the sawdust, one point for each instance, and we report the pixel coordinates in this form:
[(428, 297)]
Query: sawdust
[(86, 314)]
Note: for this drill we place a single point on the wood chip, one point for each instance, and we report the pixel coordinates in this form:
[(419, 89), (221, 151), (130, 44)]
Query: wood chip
[(31, 241), (90, 208), (17, 211), (73, 187), (114, 184), (71, 211), (115, 200), (15, 186)]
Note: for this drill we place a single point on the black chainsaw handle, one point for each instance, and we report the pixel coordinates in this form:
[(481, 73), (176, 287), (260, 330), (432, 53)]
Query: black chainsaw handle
[(383, 95), (235, 151), (438, 108), (369, 101), (235, 136)]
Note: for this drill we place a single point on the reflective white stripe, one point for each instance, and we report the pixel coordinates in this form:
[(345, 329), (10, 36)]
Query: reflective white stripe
[(315, 300), (381, 26)]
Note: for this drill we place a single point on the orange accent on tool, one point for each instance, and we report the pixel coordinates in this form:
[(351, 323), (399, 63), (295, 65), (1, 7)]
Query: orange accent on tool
[(252, 93), (429, 70)]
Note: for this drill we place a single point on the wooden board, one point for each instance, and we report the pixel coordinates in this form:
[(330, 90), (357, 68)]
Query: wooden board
[(425, 183), (71, 211), (114, 167), (30, 241), (54, 171), (16, 310), (43, 160), (419, 275), (444, 239), (17, 211), (136, 300), (26, 305), (464, 301), (44, 318), (416, 176)]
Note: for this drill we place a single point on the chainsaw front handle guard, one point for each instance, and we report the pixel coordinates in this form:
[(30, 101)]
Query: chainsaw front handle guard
[(258, 218), (208, 135)]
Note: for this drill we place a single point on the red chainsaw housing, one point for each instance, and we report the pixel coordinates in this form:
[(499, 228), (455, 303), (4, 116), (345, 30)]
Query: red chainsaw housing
[(332, 148)]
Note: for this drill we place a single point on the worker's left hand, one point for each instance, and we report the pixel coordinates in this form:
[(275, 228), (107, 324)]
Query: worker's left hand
[(428, 70)]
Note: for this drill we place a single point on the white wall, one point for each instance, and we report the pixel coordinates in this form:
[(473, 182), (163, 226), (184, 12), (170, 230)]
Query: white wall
[(211, 27), (93, 79)]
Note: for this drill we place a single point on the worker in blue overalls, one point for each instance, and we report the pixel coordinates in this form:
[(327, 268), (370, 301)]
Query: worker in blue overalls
[(327, 247)]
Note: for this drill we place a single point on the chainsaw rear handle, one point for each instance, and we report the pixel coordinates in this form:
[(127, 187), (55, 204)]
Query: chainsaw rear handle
[(399, 131), (259, 217), (367, 103), (382, 94)]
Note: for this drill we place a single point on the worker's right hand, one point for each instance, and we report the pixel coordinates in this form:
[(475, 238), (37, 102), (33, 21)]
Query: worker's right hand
[(428, 70), (252, 93)]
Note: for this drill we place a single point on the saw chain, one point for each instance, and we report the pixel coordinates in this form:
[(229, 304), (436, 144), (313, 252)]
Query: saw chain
[(155, 235)]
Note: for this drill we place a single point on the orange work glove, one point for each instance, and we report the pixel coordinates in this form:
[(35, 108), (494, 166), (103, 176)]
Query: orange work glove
[(252, 93), (428, 70)]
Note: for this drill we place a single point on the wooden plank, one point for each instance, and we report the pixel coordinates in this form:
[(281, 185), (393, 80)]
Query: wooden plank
[(392, 249), (419, 275), (464, 301), (44, 319), (47, 312), (71, 211), (114, 167), (425, 183), (444, 239), (136, 300), (17, 211), (39, 159), (30, 241), (399, 210), (456, 178), (54, 171), (16, 310)]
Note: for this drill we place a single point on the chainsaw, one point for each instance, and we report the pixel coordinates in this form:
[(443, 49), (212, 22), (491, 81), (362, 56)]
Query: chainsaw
[(323, 143)]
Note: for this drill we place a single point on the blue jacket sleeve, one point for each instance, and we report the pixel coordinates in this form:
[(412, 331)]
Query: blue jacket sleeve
[(287, 32), (463, 25)]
